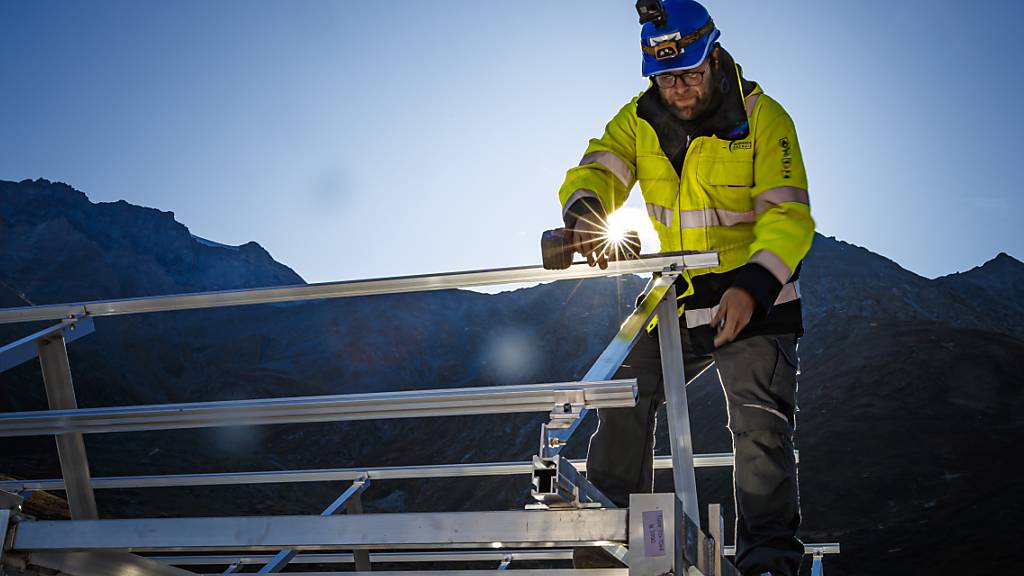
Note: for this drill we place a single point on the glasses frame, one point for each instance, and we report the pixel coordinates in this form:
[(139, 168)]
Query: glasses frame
[(691, 77)]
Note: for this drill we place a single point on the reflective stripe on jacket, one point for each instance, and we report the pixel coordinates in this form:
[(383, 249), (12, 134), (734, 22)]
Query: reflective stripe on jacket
[(746, 199)]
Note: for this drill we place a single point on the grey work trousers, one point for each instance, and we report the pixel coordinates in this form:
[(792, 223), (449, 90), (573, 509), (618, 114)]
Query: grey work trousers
[(759, 377)]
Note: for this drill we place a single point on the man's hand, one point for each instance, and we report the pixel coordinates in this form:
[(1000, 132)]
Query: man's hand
[(590, 238), (734, 312)]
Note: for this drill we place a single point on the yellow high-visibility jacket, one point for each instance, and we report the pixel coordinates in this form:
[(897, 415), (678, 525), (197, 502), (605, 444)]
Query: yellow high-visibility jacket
[(745, 198)]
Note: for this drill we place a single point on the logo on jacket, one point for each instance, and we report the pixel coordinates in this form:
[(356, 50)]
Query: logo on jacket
[(740, 145), (787, 159)]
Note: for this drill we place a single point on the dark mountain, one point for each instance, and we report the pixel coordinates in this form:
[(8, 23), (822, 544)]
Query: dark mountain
[(50, 231), (909, 392)]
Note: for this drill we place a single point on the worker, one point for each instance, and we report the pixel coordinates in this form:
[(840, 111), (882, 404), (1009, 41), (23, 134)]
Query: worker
[(720, 169)]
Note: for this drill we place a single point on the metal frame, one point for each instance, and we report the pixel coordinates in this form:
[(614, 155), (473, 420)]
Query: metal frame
[(574, 512)]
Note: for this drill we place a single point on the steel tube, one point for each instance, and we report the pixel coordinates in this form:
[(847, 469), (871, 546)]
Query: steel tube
[(335, 474), (346, 289), (60, 393), (516, 529), (331, 408)]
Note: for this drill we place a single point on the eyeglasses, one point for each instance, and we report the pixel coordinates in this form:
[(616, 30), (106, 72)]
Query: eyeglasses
[(688, 78)]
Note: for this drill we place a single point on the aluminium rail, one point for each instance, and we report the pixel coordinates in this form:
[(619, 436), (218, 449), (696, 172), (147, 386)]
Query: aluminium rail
[(85, 546)]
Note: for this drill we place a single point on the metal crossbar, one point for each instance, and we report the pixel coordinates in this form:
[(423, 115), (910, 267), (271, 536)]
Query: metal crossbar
[(516, 529), (335, 474), (333, 408), (419, 283), (551, 554)]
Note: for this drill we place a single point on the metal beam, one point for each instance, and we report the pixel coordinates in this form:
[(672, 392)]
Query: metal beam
[(516, 529), (674, 381), (389, 557), (60, 393), (25, 349), (414, 557), (420, 283), (336, 474), (331, 408), (538, 572)]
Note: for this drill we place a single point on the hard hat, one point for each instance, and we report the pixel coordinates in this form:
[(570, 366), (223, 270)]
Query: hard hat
[(676, 35)]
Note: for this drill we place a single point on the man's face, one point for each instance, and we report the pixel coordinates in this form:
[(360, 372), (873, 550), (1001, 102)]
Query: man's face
[(689, 102)]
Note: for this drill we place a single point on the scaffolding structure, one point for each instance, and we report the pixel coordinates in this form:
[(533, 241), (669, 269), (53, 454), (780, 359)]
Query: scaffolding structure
[(658, 534)]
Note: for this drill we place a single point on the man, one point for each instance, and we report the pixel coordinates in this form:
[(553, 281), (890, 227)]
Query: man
[(720, 169)]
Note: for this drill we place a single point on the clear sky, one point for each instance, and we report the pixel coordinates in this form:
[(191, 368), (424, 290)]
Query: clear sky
[(357, 139)]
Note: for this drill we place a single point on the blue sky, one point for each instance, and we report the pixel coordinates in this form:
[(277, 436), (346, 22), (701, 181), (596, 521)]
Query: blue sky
[(362, 139)]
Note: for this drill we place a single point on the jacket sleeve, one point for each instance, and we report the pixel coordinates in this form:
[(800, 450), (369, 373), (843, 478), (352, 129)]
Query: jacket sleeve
[(783, 229), (606, 173)]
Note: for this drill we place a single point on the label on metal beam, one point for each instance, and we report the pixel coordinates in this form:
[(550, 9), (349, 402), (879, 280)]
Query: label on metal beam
[(654, 533)]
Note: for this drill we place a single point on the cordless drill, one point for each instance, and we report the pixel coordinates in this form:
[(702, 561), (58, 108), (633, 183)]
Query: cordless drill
[(556, 248)]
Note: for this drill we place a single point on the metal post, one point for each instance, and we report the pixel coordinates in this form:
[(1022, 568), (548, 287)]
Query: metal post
[(60, 393), (355, 506), (674, 378), (5, 518), (716, 527)]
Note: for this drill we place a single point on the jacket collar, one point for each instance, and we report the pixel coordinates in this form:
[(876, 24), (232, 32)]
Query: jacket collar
[(726, 119)]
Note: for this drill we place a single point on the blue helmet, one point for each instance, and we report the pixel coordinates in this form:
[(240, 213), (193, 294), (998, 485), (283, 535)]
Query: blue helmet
[(679, 36)]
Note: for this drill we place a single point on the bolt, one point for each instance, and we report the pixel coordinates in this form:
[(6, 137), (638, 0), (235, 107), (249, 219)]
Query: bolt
[(567, 408)]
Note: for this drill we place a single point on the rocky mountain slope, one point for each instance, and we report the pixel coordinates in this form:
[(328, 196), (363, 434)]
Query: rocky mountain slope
[(909, 390)]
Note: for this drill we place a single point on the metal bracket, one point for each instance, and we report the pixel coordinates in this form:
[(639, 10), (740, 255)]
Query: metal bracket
[(569, 406), (557, 484)]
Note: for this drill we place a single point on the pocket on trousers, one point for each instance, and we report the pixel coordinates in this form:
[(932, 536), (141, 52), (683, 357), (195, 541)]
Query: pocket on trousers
[(784, 380)]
